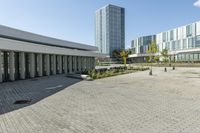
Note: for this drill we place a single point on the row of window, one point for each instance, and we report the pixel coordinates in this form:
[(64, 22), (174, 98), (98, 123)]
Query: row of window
[(193, 42), (171, 35), (188, 57)]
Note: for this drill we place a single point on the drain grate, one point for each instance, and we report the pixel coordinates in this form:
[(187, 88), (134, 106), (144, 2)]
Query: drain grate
[(34, 79), (24, 101)]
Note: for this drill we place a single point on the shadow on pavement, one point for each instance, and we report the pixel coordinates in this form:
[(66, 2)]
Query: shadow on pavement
[(32, 90)]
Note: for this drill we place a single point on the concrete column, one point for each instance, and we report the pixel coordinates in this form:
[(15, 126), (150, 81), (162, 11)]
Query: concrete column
[(32, 65), (93, 63), (22, 65), (65, 64), (60, 63), (12, 66), (1, 66), (47, 65), (70, 64), (54, 64), (81, 60), (40, 65), (82, 64), (75, 64), (86, 63), (89, 63)]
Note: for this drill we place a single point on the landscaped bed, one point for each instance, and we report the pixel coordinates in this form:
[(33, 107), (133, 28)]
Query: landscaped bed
[(177, 64), (114, 71)]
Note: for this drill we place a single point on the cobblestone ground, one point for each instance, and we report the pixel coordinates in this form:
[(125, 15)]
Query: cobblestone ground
[(133, 103)]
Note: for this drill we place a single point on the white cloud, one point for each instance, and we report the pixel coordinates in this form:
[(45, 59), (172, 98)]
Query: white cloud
[(197, 3)]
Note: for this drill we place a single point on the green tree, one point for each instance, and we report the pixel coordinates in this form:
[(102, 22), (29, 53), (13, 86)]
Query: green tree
[(153, 49), (157, 58), (121, 54), (116, 53), (124, 55), (165, 56)]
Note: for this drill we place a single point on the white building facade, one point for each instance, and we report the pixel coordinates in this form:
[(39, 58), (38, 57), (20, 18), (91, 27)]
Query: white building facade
[(26, 55), (183, 43)]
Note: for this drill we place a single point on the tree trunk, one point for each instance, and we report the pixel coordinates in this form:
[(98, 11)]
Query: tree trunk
[(150, 73), (124, 61)]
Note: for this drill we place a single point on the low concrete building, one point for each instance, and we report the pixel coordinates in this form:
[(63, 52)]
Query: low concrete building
[(27, 55)]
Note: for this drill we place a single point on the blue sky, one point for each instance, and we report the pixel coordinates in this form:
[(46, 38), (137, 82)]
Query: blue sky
[(73, 20)]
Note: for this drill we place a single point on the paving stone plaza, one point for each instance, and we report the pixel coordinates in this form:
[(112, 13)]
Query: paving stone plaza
[(132, 103)]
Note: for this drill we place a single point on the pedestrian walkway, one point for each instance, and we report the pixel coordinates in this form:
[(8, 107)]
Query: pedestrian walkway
[(132, 103)]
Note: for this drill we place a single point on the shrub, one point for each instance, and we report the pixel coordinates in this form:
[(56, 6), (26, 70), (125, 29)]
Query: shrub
[(92, 74), (98, 75)]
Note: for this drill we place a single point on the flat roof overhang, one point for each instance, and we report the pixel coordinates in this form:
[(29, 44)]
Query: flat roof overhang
[(19, 35), (21, 46), (192, 50)]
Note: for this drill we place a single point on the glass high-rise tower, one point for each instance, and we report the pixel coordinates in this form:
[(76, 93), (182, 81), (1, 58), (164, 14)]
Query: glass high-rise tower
[(110, 29)]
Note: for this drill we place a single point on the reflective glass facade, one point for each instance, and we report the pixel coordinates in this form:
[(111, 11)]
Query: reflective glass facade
[(110, 29), (141, 44)]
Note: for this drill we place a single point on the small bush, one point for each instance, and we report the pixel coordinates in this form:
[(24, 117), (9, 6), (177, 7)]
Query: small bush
[(98, 75)]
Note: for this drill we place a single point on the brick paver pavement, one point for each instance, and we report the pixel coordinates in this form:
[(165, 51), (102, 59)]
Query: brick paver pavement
[(133, 103)]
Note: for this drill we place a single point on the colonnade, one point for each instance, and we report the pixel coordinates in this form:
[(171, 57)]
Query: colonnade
[(22, 65)]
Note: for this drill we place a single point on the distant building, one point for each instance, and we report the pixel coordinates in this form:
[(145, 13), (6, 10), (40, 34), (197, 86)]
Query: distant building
[(141, 44), (110, 29), (183, 44)]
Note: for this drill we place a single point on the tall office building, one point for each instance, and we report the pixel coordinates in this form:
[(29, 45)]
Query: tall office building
[(110, 29)]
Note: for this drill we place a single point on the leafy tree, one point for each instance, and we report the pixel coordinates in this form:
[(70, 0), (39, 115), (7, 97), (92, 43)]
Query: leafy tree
[(124, 55), (121, 54), (165, 56), (157, 58), (153, 49), (116, 53)]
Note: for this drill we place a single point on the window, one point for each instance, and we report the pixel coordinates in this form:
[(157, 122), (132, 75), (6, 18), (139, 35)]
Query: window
[(189, 30), (191, 42), (178, 45), (171, 35), (196, 56), (197, 42), (164, 37), (173, 45), (184, 43)]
